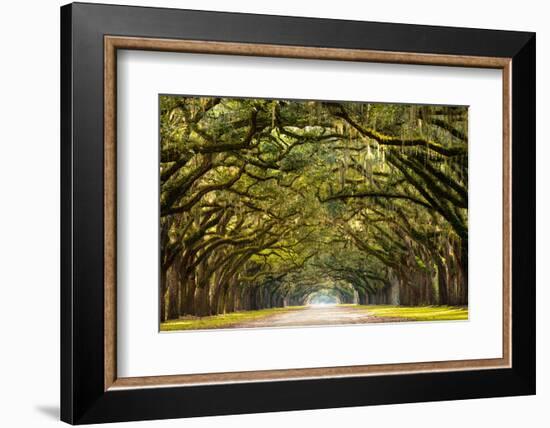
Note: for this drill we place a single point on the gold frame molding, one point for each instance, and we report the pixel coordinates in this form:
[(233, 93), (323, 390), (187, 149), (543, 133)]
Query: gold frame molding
[(113, 43)]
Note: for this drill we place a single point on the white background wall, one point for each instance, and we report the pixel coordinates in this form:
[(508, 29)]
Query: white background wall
[(29, 215)]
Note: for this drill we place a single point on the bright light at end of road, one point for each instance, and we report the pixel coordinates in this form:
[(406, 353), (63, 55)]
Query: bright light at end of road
[(317, 305)]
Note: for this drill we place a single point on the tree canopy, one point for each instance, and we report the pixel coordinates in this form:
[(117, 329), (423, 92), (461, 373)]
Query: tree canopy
[(269, 203)]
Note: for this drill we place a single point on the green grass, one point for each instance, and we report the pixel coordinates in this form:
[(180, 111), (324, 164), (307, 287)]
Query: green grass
[(419, 313), (411, 313), (221, 321)]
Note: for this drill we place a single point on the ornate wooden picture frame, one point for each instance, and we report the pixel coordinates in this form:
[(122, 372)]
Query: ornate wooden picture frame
[(91, 389)]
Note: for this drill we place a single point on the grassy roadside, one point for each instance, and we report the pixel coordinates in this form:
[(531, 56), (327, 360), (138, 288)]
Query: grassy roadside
[(418, 313), (410, 313), (221, 321)]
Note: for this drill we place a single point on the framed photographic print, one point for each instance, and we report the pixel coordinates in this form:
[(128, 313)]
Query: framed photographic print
[(266, 213)]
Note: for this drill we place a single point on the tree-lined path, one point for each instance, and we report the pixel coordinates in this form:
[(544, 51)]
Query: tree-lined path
[(270, 204)]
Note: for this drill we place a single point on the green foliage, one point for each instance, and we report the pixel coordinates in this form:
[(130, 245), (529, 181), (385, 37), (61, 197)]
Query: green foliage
[(288, 198)]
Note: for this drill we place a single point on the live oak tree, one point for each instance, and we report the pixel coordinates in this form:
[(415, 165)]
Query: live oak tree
[(266, 203)]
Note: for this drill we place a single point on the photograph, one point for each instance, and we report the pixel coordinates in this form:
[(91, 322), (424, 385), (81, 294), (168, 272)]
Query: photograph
[(293, 213), (269, 211)]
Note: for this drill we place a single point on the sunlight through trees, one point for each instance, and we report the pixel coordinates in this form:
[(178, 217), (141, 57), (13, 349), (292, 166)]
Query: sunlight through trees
[(266, 203)]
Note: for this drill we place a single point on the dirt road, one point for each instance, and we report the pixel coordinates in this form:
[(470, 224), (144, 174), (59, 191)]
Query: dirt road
[(318, 315)]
